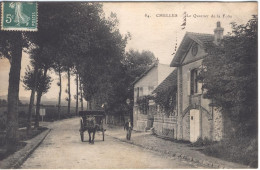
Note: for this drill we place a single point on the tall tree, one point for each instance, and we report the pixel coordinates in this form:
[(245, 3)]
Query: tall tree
[(77, 92), (42, 85), (33, 82), (229, 76), (81, 94), (11, 47), (44, 62), (58, 68), (104, 60), (68, 90)]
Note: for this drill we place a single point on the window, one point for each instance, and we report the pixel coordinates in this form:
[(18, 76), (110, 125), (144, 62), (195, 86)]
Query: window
[(145, 91), (194, 49), (194, 81), (140, 91), (151, 88), (137, 92)]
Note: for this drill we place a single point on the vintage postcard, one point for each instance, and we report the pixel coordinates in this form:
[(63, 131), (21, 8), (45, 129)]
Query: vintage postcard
[(128, 85)]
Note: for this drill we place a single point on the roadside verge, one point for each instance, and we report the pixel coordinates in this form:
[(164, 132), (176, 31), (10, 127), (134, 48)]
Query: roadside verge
[(172, 149), (15, 160)]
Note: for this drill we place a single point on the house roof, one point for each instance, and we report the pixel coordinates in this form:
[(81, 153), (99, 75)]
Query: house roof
[(163, 74), (169, 81), (204, 40), (142, 75)]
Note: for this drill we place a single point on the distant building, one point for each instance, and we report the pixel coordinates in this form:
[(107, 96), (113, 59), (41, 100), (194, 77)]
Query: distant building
[(144, 109), (196, 118)]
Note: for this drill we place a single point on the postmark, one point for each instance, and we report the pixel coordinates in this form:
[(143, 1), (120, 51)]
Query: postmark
[(19, 16)]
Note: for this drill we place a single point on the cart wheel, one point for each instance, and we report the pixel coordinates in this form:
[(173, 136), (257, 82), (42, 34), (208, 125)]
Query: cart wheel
[(103, 133)]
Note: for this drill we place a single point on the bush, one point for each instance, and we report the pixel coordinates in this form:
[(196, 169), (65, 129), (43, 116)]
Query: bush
[(202, 142), (22, 114), (240, 150), (22, 122), (2, 122)]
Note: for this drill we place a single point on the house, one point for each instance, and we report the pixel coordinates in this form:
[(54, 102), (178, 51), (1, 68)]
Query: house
[(196, 117), (144, 108)]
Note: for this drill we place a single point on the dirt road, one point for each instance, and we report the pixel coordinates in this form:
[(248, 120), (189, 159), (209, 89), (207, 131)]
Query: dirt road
[(62, 148)]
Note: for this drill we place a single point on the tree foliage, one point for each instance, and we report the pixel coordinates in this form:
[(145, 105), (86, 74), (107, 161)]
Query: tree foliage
[(43, 84), (100, 60), (166, 98), (3, 102), (137, 62), (132, 65), (229, 75)]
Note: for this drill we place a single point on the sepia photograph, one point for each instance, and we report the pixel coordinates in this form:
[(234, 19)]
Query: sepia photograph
[(128, 85)]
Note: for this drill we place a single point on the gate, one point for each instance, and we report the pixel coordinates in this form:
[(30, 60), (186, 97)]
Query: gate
[(194, 125)]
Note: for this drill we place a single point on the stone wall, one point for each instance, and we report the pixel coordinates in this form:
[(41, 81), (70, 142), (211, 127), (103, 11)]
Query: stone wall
[(144, 122), (179, 103), (211, 126), (186, 127), (206, 125), (165, 126), (218, 125), (135, 113)]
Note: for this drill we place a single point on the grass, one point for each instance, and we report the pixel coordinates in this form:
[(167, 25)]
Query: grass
[(51, 115), (239, 150), (202, 142), (4, 153)]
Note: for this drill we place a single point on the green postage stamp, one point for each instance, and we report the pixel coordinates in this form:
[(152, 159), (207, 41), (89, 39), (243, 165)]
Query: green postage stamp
[(19, 16)]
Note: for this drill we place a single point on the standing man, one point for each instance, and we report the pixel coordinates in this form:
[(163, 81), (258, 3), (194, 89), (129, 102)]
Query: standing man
[(128, 128)]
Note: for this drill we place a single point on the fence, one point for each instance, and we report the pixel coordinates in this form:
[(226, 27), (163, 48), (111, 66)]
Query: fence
[(116, 119), (165, 126)]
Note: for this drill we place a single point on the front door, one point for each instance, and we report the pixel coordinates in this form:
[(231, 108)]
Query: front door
[(194, 125)]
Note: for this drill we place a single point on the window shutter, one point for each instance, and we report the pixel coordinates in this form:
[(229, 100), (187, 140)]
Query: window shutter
[(199, 82), (141, 93), (199, 88), (188, 82)]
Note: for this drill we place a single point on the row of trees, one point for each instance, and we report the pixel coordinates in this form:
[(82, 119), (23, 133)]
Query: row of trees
[(72, 38)]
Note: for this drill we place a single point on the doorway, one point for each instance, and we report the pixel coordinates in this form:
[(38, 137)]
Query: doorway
[(194, 125)]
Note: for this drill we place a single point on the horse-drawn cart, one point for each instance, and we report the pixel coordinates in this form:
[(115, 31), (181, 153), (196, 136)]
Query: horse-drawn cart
[(92, 121)]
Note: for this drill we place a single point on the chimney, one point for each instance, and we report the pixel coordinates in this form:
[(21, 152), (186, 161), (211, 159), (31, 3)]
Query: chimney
[(218, 34)]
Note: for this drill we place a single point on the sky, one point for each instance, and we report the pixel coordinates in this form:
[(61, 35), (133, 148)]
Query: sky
[(154, 26)]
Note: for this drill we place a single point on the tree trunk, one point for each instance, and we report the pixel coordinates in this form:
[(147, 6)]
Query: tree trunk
[(69, 99), (77, 93), (38, 103), (32, 100), (37, 115), (81, 95), (59, 104), (90, 105), (13, 94)]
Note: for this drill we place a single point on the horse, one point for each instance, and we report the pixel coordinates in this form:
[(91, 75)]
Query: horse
[(92, 128)]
